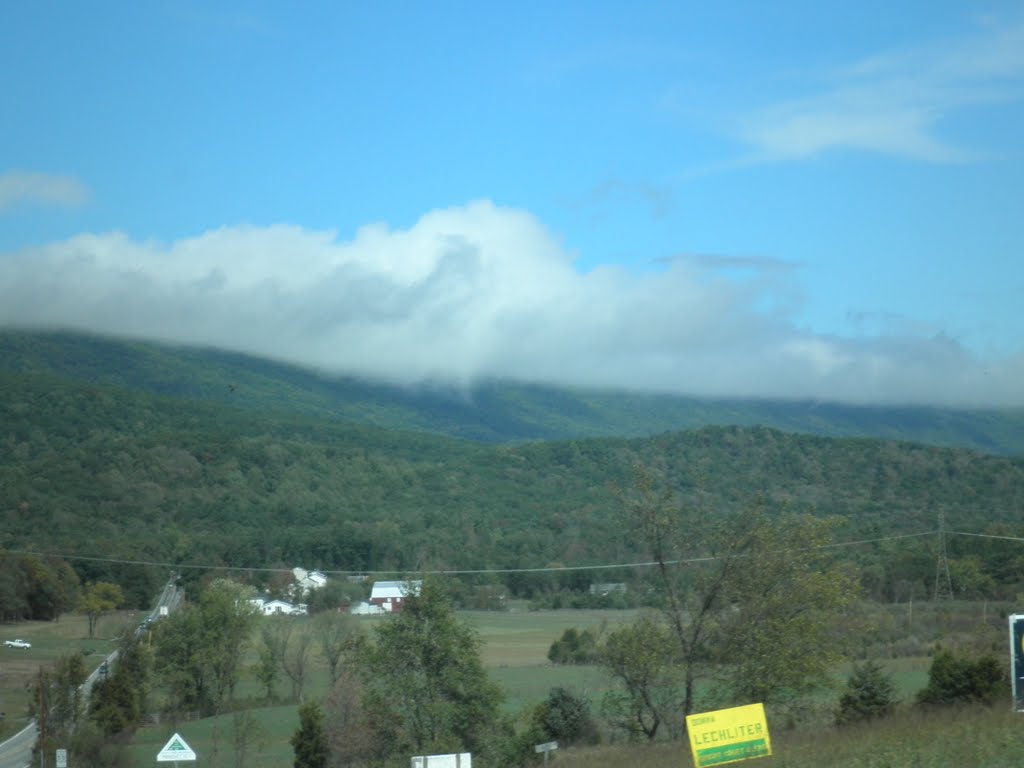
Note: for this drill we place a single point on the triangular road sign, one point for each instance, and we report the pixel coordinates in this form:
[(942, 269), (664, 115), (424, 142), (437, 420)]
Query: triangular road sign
[(174, 750)]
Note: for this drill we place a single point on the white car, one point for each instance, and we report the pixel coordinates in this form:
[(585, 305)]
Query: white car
[(17, 644)]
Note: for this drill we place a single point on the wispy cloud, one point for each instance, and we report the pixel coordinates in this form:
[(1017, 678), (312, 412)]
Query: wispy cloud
[(484, 291), (24, 187), (895, 103), (613, 192)]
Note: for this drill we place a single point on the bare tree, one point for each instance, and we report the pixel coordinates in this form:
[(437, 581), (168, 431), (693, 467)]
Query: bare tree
[(296, 663), (276, 633), (333, 630), (349, 734), (246, 730)]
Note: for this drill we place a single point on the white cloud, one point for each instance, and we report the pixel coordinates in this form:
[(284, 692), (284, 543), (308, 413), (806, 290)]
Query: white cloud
[(894, 103), (479, 291), (18, 187)]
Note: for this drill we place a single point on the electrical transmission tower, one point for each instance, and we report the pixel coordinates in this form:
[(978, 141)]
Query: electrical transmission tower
[(943, 582)]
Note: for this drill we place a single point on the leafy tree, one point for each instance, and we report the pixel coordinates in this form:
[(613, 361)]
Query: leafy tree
[(199, 648), (13, 601), (119, 698), (98, 599), (574, 647), (57, 701), (424, 689), (114, 706), (641, 659), (310, 740), (746, 595), (90, 747), (869, 695), (955, 679), (334, 595), (775, 642)]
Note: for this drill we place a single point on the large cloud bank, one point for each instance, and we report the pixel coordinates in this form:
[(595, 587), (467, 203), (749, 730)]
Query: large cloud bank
[(481, 291)]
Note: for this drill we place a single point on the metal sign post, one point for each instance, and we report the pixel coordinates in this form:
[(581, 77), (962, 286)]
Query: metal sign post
[(546, 747), (1017, 660)]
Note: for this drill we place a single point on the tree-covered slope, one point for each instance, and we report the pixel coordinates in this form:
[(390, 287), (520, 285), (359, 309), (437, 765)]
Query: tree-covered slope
[(108, 472), (487, 412)]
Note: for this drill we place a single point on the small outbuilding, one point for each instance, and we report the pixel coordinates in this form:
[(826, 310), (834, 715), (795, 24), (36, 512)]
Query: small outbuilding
[(366, 609)]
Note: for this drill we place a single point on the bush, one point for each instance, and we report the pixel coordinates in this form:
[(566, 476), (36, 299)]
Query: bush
[(869, 695), (958, 679), (565, 717), (574, 647)]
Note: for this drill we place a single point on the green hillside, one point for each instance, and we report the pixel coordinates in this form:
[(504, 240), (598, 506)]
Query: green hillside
[(101, 471), (497, 412)]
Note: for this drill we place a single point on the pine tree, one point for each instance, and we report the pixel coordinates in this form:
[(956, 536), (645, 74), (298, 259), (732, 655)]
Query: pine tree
[(310, 740), (869, 694)]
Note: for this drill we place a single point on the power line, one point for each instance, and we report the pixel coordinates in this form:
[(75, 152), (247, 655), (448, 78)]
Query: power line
[(985, 536), (459, 572), (154, 563)]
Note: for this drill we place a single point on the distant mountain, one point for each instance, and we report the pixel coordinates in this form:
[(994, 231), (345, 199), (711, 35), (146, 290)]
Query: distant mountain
[(491, 411)]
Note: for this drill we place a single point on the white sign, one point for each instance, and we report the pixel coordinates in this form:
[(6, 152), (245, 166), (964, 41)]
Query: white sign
[(460, 760), (62, 758), (547, 746), (174, 750)]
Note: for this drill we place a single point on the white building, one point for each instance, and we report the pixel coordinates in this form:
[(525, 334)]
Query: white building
[(278, 607), (307, 581)]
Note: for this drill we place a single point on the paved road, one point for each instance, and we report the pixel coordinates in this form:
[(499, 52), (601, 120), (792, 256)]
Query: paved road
[(16, 752)]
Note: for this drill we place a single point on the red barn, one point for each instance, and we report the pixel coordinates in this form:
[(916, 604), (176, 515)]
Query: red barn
[(389, 595)]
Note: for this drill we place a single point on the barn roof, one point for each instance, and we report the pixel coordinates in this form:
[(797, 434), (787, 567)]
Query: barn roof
[(395, 588)]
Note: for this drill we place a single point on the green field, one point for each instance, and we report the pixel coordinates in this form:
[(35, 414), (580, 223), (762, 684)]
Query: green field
[(516, 646), (50, 640), (514, 650)]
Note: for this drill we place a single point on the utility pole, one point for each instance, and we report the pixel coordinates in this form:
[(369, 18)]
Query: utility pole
[(943, 582), (42, 718)]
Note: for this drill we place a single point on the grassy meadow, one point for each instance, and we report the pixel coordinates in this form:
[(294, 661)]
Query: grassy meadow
[(50, 640), (971, 737), (514, 650)]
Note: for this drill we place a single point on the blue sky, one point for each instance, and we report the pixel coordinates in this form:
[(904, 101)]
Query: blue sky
[(788, 199)]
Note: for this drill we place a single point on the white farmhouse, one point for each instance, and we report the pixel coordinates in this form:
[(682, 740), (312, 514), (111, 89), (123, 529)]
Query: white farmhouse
[(307, 581), (278, 607)]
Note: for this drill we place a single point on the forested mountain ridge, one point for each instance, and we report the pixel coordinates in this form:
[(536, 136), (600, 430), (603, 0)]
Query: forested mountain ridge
[(102, 471), (497, 412)]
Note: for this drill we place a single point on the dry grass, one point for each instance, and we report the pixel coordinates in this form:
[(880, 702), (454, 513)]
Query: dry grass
[(977, 737)]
